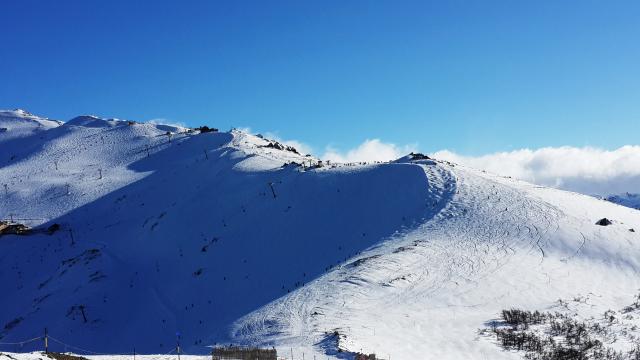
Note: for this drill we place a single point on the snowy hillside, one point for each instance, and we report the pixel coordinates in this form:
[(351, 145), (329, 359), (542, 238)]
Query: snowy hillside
[(223, 238), (20, 123)]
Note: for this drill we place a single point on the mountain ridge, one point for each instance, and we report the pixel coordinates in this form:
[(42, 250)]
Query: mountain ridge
[(224, 237)]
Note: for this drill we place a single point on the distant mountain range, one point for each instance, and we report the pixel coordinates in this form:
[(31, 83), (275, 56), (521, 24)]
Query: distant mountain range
[(626, 199)]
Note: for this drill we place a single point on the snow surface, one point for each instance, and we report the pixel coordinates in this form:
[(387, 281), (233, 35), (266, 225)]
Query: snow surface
[(213, 236)]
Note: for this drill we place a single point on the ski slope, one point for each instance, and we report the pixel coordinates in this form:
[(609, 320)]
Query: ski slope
[(219, 238)]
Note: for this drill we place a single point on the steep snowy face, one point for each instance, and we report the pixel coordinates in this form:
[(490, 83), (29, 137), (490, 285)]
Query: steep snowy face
[(162, 232)]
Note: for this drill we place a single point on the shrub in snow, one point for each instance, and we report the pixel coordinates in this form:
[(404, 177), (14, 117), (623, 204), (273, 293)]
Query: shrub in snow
[(206, 129), (555, 336), (360, 356), (61, 356), (53, 228), (241, 353), (419, 156)]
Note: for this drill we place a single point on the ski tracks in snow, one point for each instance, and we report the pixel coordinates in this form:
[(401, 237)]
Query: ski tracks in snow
[(472, 227)]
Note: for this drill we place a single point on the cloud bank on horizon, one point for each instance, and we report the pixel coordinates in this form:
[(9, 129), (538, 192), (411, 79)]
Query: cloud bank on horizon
[(586, 170), (369, 150)]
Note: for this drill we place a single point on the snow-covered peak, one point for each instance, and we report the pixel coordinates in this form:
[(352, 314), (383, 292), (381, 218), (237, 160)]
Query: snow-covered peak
[(266, 153), (18, 123), (93, 121), (626, 199), (19, 118), (417, 158), (22, 112)]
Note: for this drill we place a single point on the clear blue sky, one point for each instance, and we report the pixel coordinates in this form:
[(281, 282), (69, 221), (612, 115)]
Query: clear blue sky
[(471, 76)]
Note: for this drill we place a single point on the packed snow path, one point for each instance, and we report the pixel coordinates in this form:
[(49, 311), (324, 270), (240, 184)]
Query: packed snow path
[(213, 236)]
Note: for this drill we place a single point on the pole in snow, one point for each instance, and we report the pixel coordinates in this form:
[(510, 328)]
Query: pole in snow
[(46, 341), (178, 344), (273, 191), (83, 314)]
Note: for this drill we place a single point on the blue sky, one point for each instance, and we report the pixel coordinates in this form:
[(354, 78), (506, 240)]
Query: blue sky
[(473, 77)]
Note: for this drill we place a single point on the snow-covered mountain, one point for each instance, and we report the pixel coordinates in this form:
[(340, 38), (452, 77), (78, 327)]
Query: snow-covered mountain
[(626, 199), (227, 237)]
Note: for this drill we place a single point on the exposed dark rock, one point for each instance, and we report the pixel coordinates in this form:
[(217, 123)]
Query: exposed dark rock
[(604, 222)]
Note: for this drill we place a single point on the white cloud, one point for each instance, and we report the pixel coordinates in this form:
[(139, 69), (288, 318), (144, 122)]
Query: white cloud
[(163, 121), (300, 146), (587, 170), (369, 150)]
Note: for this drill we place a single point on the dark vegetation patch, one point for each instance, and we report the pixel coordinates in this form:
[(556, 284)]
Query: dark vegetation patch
[(243, 353), (13, 323), (206, 129), (419, 156), (53, 228), (87, 256), (362, 261), (208, 244), (96, 276), (361, 356), (557, 336), (61, 356)]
